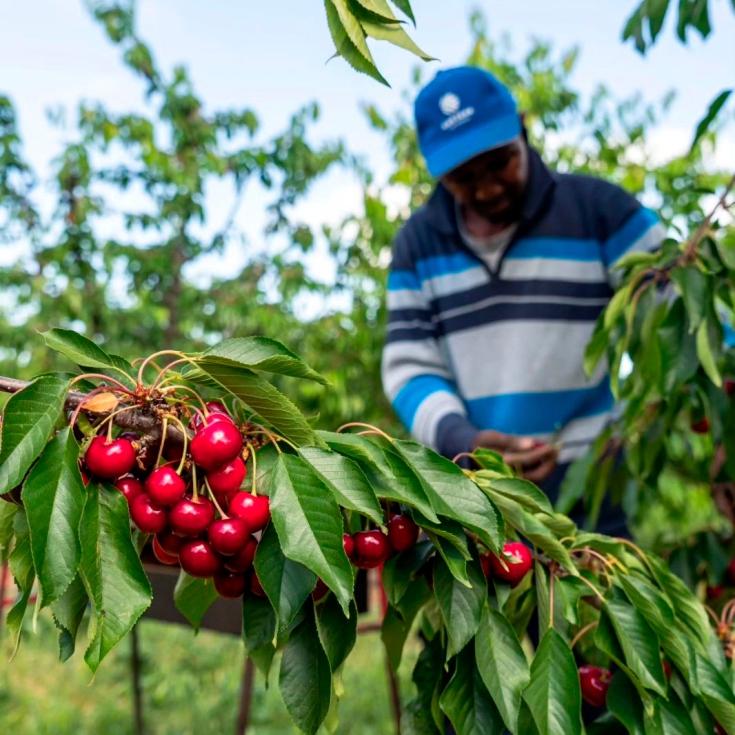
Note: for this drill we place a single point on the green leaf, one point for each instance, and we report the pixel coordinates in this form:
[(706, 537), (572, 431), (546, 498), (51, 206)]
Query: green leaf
[(53, 495), (287, 583), (259, 630), (640, 644), (675, 719), (309, 525), (337, 632), (306, 679), (405, 7), (260, 396), (711, 115), (553, 694), (453, 494), (616, 307), (656, 10), (398, 620), (446, 529), (28, 420), (623, 701), (389, 474), (706, 357), (68, 612), (346, 481), (111, 571), (396, 35), (716, 693), (596, 347), (502, 664), (264, 354), (193, 597), (349, 39), (461, 606), (467, 702), (452, 557), (83, 351), (376, 11), (20, 563), (525, 493), (7, 516), (692, 285), (399, 570)]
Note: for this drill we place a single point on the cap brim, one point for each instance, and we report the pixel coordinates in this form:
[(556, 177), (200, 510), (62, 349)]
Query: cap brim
[(474, 141)]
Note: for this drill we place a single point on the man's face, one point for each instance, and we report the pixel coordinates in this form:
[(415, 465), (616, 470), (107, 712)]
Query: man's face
[(492, 184)]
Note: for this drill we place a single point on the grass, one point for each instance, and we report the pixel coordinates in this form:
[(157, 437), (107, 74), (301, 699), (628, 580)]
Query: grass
[(190, 687)]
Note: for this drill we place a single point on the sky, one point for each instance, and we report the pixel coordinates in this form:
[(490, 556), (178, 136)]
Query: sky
[(272, 57)]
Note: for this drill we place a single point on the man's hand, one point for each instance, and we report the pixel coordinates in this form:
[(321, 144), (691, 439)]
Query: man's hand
[(532, 460)]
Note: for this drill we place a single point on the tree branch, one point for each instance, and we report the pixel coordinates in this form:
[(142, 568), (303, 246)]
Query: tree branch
[(139, 420)]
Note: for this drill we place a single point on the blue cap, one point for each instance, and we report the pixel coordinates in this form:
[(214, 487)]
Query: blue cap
[(461, 113)]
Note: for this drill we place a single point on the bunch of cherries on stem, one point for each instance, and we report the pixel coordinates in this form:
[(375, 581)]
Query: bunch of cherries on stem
[(184, 522)]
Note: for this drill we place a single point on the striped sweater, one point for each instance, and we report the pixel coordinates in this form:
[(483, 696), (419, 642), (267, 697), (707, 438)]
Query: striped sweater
[(470, 348)]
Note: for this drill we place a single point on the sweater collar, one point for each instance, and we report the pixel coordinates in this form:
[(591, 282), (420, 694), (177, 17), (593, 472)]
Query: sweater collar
[(440, 208)]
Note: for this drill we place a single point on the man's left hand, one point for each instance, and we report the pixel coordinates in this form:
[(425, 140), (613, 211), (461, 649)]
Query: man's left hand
[(536, 464)]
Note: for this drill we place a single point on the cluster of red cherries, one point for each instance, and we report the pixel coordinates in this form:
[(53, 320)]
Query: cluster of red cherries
[(184, 522)]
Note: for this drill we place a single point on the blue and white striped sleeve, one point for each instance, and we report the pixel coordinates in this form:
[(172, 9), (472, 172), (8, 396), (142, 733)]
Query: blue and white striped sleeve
[(415, 375), (641, 231)]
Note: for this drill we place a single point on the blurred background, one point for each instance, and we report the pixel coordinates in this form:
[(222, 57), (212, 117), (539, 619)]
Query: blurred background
[(204, 173)]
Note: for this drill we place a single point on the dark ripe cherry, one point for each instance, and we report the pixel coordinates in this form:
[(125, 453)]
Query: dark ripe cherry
[(13, 496), (215, 445), (173, 452), (130, 487), (227, 479), (131, 436), (190, 518), (320, 590), (701, 426), (228, 536), (170, 542), (165, 486), (667, 669), (403, 533), (714, 593), (487, 566), (518, 561), (255, 587), (729, 386), (230, 585), (595, 682), (147, 517), (730, 573), (85, 477), (162, 555), (243, 560), (109, 460), (349, 545), (255, 510), (371, 549), (197, 558)]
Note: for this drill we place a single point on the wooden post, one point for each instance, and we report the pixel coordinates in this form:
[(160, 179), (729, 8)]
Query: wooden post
[(246, 696)]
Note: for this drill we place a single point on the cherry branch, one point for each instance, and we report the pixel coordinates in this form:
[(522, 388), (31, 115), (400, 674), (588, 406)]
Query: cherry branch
[(136, 420)]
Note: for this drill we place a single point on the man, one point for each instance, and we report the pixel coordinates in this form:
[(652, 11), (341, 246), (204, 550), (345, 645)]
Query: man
[(496, 286)]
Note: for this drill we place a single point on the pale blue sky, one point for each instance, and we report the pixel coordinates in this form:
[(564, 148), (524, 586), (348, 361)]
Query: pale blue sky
[(271, 56)]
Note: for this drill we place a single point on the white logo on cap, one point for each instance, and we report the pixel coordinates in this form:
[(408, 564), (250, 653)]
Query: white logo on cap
[(449, 103)]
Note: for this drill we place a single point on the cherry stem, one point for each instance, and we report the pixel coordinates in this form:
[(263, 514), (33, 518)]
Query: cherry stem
[(583, 632), (364, 426), (274, 439), (164, 427), (254, 491), (168, 367), (214, 499), (101, 376), (638, 551), (182, 428), (150, 359), (462, 455), (186, 388), (195, 492), (592, 587), (594, 553), (112, 416), (78, 409), (713, 615), (552, 581), (728, 612)]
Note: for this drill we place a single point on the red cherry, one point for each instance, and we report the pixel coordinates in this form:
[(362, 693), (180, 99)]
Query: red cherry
[(190, 518), (667, 669), (714, 593), (228, 478), (147, 517), (255, 510), (162, 555), (85, 477), (403, 533), (349, 544), (228, 536), (173, 452), (109, 460), (215, 445), (230, 584), (255, 587), (198, 559), (243, 560), (130, 487), (730, 573), (165, 486), (486, 565), (170, 542), (320, 590), (595, 682), (518, 560), (371, 549), (216, 410), (730, 386), (701, 426)]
